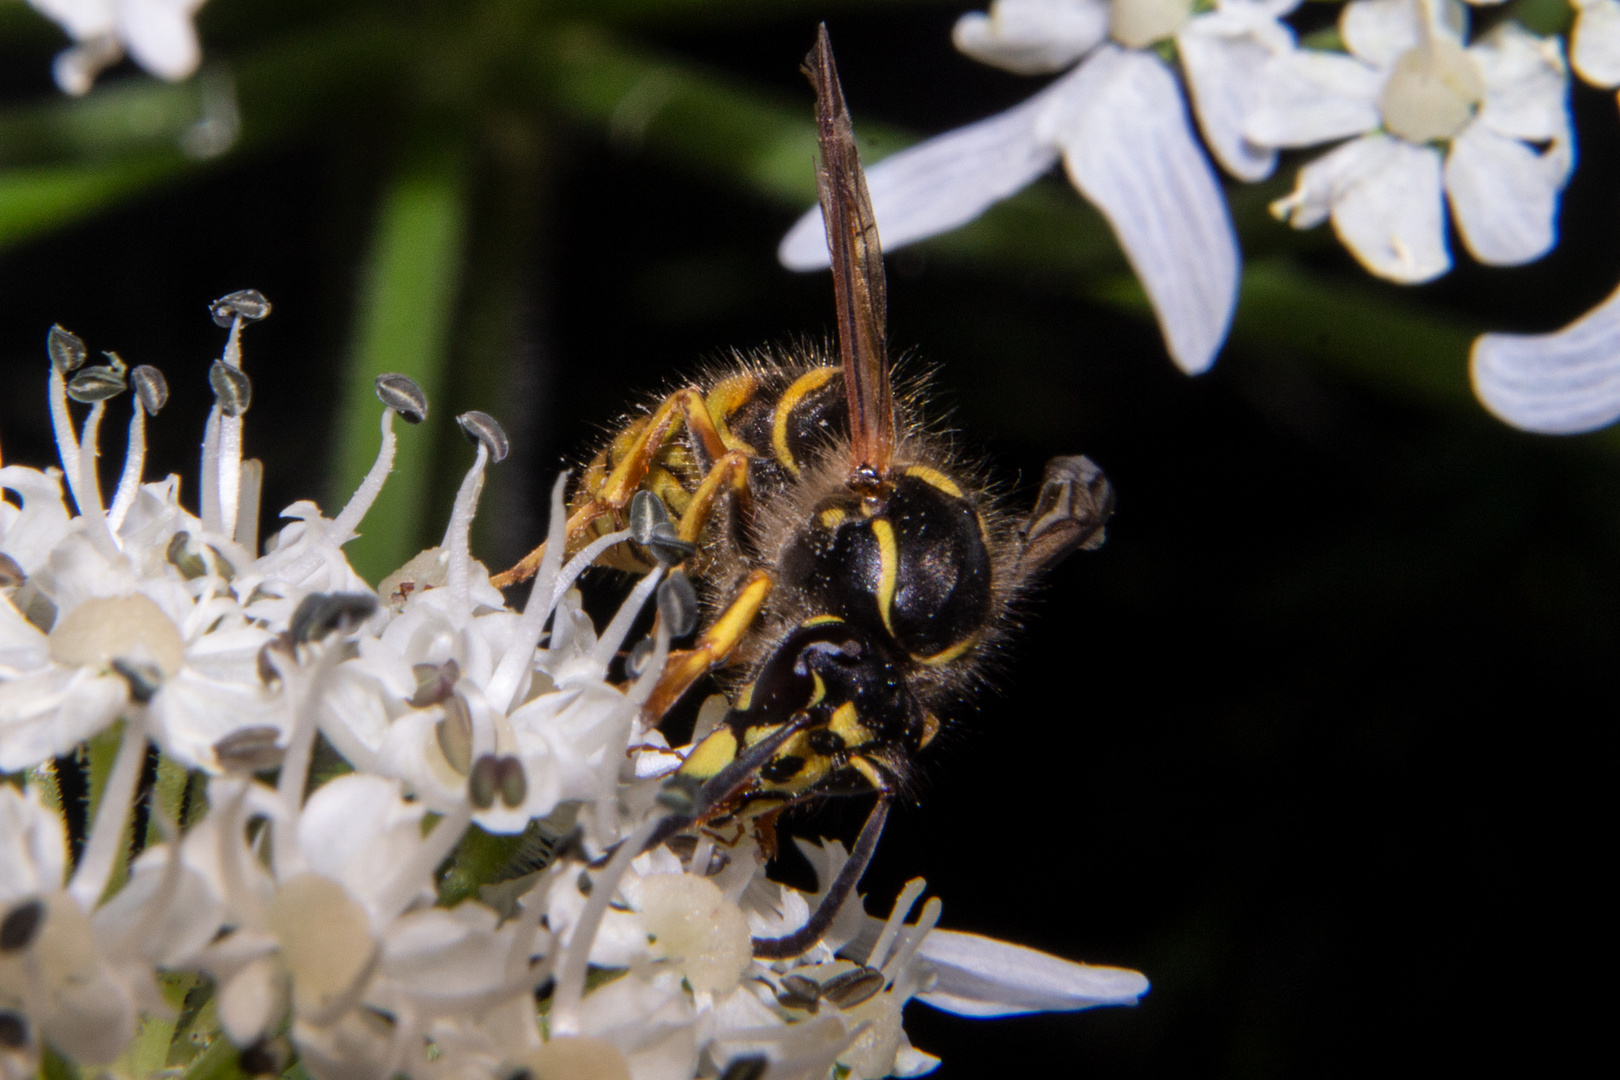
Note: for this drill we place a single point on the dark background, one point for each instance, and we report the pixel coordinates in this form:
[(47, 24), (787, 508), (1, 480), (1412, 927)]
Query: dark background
[(1319, 741)]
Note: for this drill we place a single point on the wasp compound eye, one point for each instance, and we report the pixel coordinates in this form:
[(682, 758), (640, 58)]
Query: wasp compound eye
[(484, 430), (400, 393)]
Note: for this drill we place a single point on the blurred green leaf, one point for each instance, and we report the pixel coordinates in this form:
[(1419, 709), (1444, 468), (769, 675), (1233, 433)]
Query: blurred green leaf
[(402, 324), (40, 200)]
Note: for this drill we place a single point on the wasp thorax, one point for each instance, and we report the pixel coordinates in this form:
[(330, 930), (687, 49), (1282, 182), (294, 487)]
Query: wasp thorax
[(909, 562)]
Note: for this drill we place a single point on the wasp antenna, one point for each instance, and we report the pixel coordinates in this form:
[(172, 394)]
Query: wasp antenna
[(857, 268)]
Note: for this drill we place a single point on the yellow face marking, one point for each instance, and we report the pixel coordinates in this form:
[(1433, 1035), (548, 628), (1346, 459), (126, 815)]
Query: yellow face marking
[(936, 479), (804, 385), (946, 655), (711, 755), (846, 724), (831, 519), (821, 691), (930, 729), (869, 771), (889, 562), (745, 698), (820, 620)]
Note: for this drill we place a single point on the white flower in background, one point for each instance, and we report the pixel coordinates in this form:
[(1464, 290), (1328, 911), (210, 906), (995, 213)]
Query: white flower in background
[(1556, 384), (1594, 42), (157, 33), (1119, 123), (1485, 127)]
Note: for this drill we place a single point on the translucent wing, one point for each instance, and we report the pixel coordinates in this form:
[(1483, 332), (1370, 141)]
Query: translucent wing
[(857, 266)]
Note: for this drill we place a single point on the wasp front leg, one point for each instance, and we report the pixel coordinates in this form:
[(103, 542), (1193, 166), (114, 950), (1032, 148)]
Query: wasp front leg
[(713, 649), (610, 494)]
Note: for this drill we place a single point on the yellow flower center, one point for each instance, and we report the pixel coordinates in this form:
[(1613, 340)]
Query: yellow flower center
[(1140, 23), (1433, 92)]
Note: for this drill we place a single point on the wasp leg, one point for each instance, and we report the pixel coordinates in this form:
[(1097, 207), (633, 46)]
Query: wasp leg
[(1075, 502), (626, 477), (687, 666), (728, 476), (719, 789), (838, 893)]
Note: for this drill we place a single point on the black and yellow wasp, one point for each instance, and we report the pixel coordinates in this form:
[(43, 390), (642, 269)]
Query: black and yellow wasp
[(857, 574)]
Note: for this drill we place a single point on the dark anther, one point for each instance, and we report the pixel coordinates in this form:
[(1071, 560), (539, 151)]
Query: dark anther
[(248, 303), (751, 1067), (151, 388), (798, 992), (679, 793), (66, 349), (180, 555), (144, 679), (484, 781), (232, 388), (318, 614), (455, 734), (13, 1030), (584, 884), (268, 675), (11, 573), (640, 653), (484, 430), (853, 987), (678, 604), (434, 682), (400, 393), (267, 1057), (511, 782), (650, 527), (99, 382), (249, 749), (520, 1074), (20, 926)]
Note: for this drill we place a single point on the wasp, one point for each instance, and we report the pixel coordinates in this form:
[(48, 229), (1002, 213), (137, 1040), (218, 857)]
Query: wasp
[(857, 573)]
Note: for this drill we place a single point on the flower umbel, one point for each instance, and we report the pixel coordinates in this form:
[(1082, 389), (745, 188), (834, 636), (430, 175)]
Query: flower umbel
[(335, 766)]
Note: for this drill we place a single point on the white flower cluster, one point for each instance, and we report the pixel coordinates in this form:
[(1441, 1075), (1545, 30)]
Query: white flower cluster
[(1424, 115), (308, 913)]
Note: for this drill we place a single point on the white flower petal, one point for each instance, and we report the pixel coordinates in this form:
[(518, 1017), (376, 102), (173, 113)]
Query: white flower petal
[(1129, 148), (1504, 196), (937, 185), (159, 35), (47, 714), (1526, 83), (1306, 97), (1220, 52), (1559, 383), (1594, 43), (31, 532), (1378, 31), (80, 18), (33, 845), (1384, 196), (1033, 37), (980, 976), (357, 831)]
